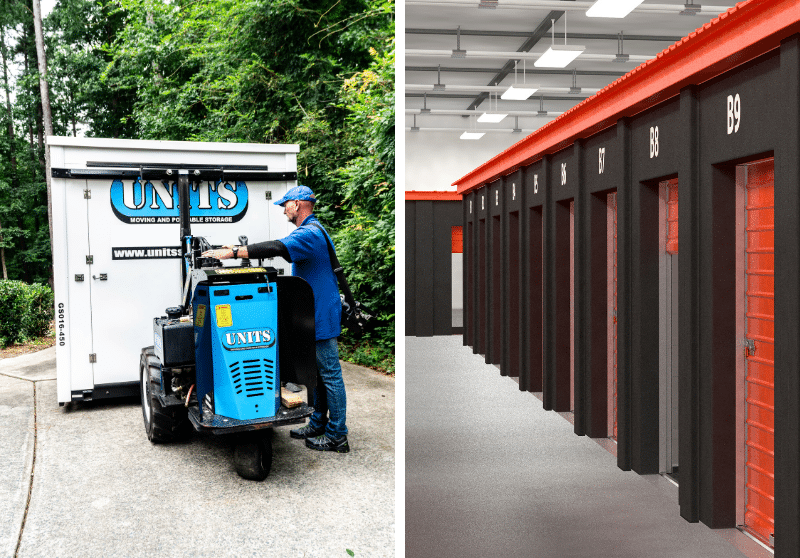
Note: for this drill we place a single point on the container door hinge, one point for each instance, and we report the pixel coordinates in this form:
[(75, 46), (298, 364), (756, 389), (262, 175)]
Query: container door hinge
[(749, 347), (89, 260), (93, 358), (87, 194), (268, 194)]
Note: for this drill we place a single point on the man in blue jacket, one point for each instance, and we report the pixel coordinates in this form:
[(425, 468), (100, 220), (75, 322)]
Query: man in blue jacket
[(306, 249)]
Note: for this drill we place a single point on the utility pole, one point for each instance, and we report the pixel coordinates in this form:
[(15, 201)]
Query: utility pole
[(46, 112)]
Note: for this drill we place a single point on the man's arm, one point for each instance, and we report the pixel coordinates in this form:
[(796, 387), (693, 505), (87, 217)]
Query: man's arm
[(268, 249), (258, 251)]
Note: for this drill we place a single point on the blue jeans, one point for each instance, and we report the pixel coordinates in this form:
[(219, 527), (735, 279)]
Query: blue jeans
[(329, 396)]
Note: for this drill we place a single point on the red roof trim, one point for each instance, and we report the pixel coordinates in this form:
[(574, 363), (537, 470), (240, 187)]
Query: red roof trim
[(421, 195), (744, 32)]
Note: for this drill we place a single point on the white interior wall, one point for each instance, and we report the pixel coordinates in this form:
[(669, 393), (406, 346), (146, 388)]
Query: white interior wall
[(434, 160), (458, 281)]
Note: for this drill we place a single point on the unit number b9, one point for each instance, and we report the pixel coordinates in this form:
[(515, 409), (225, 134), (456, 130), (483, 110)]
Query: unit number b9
[(734, 113)]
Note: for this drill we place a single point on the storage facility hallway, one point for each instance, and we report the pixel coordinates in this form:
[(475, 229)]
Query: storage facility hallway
[(490, 473)]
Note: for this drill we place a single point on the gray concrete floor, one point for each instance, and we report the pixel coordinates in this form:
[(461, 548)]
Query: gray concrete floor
[(490, 473), (83, 480)]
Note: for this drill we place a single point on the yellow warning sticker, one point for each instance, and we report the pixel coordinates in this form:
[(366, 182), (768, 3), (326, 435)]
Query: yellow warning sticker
[(231, 270), (224, 317), (200, 316)]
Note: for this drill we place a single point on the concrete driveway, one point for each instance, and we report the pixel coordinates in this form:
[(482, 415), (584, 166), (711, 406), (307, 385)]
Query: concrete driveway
[(83, 480)]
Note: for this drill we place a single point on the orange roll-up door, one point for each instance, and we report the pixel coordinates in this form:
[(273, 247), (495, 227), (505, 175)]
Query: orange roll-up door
[(760, 354), (457, 240), (672, 216)]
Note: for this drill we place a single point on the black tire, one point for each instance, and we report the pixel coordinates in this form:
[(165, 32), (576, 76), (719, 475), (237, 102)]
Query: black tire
[(253, 456), (162, 424)]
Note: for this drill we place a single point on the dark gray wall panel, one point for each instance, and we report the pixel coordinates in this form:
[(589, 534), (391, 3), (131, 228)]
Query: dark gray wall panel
[(758, 91), (657, 141), (411, 258), (469, 266), (424, 269), (429, 266), (495, 260), (624, 321), (532, 246), (787, 313), (689, 258), (512, 281)]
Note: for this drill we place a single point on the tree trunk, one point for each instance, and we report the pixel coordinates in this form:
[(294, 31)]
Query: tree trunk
[(3, 254), (11, 142), (26, 271), (47, 113)]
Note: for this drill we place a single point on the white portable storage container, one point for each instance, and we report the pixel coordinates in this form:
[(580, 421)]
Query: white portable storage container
[(116, 242)]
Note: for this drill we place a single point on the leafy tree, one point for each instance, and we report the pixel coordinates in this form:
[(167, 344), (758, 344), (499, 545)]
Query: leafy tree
[(318, 73)]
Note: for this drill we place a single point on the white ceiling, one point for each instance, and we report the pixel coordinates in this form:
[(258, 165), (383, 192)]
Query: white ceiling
[(432, 26)]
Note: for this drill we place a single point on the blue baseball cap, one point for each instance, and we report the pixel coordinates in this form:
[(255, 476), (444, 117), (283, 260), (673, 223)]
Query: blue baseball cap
[(298, 193)]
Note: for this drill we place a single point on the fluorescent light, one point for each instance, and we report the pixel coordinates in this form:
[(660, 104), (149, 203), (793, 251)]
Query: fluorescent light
[(559, 56), (494, 118), (518, 93), (471, 135), (612, 8)]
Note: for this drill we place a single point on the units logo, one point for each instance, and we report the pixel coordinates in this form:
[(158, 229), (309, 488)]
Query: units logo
[(249, 339), (136, 202)]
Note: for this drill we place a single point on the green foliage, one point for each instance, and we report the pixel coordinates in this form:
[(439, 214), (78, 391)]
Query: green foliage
[(25, 311), (317, 73), (365, 240), (366, 353)]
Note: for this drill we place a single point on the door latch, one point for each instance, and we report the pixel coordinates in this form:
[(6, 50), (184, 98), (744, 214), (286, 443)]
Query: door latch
[(749, 347), (102, 277)]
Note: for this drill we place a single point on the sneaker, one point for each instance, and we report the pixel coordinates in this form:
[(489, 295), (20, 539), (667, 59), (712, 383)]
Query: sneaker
[(306, 431), (325, 443)]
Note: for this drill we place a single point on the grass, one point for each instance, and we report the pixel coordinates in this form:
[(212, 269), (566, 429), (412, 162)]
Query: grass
[(364, 353), (31, 345)]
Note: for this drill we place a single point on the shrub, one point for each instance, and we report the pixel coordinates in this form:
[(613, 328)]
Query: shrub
[(25, 311)]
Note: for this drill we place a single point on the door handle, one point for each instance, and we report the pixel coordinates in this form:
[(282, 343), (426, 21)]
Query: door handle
[(101, 277)]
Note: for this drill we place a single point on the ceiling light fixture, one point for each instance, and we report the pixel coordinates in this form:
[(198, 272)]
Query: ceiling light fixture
[(467, 135), (458, 53), (518, 93), (612, 8), (559, 56), (494, 117)]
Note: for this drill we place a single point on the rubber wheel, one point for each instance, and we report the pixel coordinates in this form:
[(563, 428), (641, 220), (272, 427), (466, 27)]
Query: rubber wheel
[(162, 424), (253, 456)]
